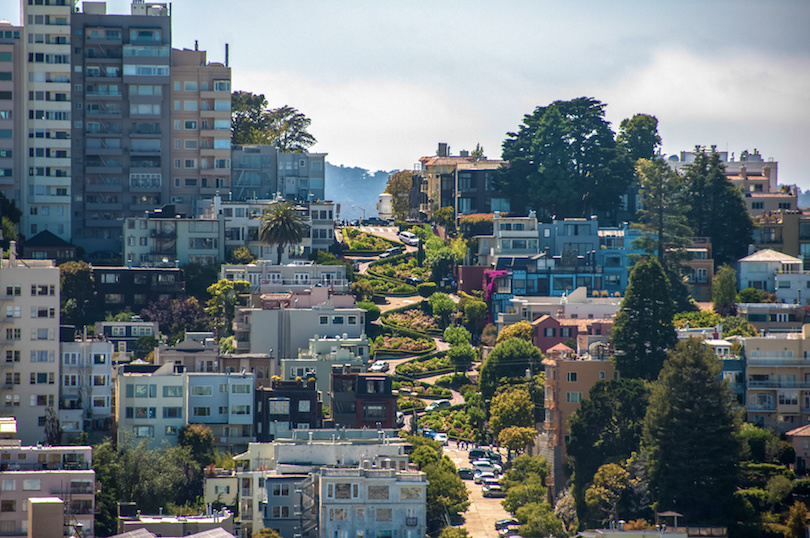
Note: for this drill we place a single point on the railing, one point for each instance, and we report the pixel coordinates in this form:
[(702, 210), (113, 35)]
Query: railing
[(246, 492), (410, 521), (775, 384)]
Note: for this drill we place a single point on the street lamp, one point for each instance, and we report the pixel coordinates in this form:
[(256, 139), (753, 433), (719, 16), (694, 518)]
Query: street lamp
[(363, 209)]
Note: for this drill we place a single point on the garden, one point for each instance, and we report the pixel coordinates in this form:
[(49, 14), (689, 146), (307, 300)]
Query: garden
[(388, 287), (421, 389), (401, 268), (456, 423), (438, 362), (357, 241), (414, 319), (403, 344)]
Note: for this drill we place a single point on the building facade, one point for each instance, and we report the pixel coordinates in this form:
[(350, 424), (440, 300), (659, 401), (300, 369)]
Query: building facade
[(265, 172), (12, 110), (29, 291), (119, 288), (85, 400)]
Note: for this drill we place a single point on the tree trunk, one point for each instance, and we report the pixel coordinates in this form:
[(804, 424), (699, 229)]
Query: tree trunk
[(279, 250)]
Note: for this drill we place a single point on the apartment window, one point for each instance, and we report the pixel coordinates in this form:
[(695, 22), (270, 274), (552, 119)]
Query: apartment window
[(378, 492), (172, 412), (13, 290), (222, 85), (99, 358), (281, 490), (572, 377), (13, 311), (573, 397), (171, 430), (100, 401), (324, 320), (99, 380), (33, 484), (222, 490), (384, 514), (549, 332), (8, 506), (200, 390), (190, 125), (13, 334), (70, 380), (9, 485), (190, 86), (173, 391), (278, 407), (240, 410), (144, 431), (12, 356), (338, 514), (202, 411), (304, 406), (240, 389)]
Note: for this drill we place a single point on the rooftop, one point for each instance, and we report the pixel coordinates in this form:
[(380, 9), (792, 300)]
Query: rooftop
[(768, 255)]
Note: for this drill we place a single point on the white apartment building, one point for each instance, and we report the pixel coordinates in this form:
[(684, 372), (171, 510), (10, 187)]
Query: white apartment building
[(85, 402), (243, 219), (29, 298), (271, 278), (325, 352), (169, 241), (297, 461), (510, 236), (45, 193), (158, 403)]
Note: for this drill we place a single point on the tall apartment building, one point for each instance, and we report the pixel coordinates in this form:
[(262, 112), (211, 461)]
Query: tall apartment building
[(121, 121), (11, 111), (85, 401), (201, 129), (45, 191), (29, 343)]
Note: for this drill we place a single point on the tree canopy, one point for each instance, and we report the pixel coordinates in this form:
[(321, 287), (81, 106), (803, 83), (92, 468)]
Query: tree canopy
[(253, 123), (643, 329), (510, 358), (77, 293), (690, 433), (564, 161), (639, 136), (281, 226), (399, 187), (512, 407), (715, 208), (724, 291)]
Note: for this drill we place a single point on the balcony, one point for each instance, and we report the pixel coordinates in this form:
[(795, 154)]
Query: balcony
[(411, 521), (776, 384)]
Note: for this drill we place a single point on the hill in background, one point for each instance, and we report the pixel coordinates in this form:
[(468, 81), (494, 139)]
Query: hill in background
[(356, 186)]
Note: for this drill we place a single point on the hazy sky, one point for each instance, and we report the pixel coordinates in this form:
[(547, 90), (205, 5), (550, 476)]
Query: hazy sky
[(385, 81)]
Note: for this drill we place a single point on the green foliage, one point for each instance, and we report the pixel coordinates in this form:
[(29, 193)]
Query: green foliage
[(778, 488), (750, 295), (372, 312), (399, 187), (691, 436), (362, 290), (797, 521), (446, 217), (440, 262), (77, 294), (222, 304), (241, 256), (606, 428), (517, 438), (538, 519), (176, 316), (715, 208), (475, 313), (457, 335), (564, 161), (643, 330), (266, 532), (454, 532), (513, 407), (198, 279), (724, 291), (143, 346), (226, 345), (426, 289), (462, 355), (281, 226), (738, 325), (200, 441), (442, 306), (521, 329), (489, 335), (524, 482), (428, 363), (701, 318), (510, 358), (602, 498), (9, 230), (639, 136), (253, 123)]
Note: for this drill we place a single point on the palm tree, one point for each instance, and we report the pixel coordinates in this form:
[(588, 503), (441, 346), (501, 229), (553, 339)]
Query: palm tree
[(282, 226)]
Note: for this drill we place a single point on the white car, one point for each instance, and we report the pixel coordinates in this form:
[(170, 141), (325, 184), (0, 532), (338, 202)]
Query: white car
[(486, 465), (408, 238), (479, 477), (380, 366), (442, 438)]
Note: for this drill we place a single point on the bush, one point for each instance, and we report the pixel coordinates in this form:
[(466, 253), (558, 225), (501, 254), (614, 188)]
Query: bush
[(372, 312), (426, 289)]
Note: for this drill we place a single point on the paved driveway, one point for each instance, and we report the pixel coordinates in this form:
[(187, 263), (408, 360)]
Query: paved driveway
[(480, 518)]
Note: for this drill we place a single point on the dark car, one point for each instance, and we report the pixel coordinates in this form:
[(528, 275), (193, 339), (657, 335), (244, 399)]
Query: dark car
[(374, 221), (465, 473), (504, 523), (413, 281)]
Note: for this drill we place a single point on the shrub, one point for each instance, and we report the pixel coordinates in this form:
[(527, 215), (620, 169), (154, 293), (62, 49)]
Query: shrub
[(372, 312), (426, 289)]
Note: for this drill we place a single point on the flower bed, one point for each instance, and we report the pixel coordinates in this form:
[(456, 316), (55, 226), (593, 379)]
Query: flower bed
[(422, 389), (361, 241), (403, 344), (456, 423), (388, 287), (401, 268), (413, 319), (408, 403), (436, 362)]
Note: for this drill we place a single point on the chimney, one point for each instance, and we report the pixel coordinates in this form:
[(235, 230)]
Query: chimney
[(226, 55), (12, 254), (443, 149), (196, 45)]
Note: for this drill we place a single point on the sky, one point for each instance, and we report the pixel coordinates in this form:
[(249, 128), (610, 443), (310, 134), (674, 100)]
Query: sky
[(383, 81)]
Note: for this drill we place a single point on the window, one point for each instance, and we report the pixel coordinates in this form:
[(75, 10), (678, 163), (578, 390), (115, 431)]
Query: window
[(144, 431), (202, 411), (304, 406), (240, 389), (222, 85), (190, 125), (172, 412), (240, 410), (173, 391), (572, 377), (202, 390), (278, 406), (384, 514), (281, 490), (338, 514), (222, 490), (549, 332), (378, 492), (31, 485), (99, 358), (573, 397), (410, 492), (9, 485), (337, 320), (324, 320), (8, 506)]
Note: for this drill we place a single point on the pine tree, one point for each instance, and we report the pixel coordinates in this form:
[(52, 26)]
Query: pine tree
[(643, 330), (691, 435)]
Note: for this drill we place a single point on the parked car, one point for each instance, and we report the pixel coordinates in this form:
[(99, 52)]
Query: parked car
[(393, 251), (493, 490), (408, 238), (413, 281), (437, 405), (479, 477), (485, 453), (442, 438), (510, 532), (400, 419), (466, 473), (486, 464), (504, 523), (374, 221), (380, 366)]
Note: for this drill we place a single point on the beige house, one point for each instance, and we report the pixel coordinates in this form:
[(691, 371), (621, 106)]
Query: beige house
[(777, 376), (569, 378), (29, 342)]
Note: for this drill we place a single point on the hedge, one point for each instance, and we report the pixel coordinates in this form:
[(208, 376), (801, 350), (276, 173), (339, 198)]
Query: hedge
[(431, 332)]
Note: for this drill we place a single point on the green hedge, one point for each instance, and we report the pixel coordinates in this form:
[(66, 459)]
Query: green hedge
[(430, 333), (399, 370)]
